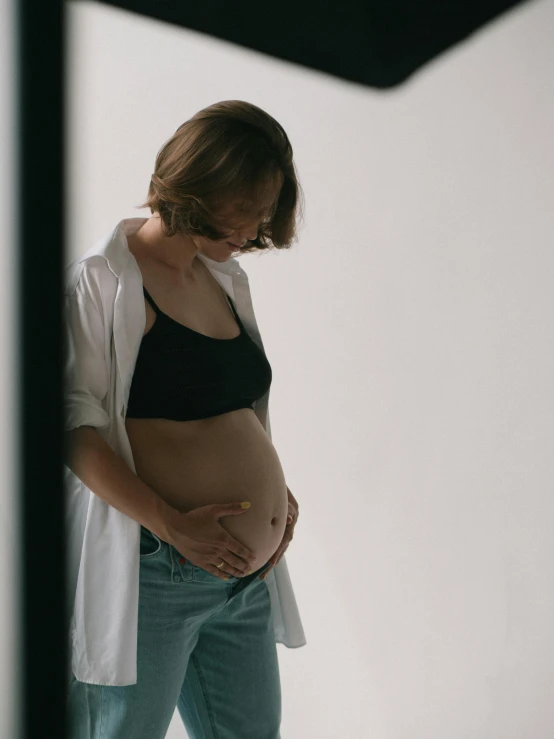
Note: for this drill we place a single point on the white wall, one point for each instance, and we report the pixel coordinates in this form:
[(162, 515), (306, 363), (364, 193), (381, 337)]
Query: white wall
[(410, 336)]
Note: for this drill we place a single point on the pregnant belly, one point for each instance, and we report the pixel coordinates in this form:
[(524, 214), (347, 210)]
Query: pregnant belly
[(223, 459)]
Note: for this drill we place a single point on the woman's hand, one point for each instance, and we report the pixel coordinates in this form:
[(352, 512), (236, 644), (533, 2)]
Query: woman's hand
[(292, 518), (203, 541)]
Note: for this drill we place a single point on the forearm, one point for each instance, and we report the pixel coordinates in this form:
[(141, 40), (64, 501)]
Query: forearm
[(95, 463)]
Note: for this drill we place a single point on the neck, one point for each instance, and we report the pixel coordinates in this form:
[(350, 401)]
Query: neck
[(177, 253)]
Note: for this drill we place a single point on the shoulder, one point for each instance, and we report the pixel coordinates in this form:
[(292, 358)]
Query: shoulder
[(91, 275)]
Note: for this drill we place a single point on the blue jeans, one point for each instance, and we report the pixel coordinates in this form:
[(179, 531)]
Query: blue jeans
[(205, 646)]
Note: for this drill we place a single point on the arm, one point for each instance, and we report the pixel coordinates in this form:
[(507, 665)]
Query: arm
[(95, 463), (88, 321)]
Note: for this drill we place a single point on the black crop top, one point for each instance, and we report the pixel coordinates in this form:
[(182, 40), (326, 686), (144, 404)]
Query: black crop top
[(182, 375)]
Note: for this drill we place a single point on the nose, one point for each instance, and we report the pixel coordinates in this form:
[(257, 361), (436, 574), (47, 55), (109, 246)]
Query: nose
[(241, 240), (249, 235), (245, 231)]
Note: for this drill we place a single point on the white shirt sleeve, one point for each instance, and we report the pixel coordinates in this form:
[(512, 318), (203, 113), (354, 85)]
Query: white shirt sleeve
[(87, 353)]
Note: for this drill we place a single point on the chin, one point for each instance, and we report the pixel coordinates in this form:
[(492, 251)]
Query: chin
[(218, 255)]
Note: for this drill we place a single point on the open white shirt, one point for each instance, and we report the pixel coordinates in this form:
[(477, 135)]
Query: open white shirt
[(104, 325)]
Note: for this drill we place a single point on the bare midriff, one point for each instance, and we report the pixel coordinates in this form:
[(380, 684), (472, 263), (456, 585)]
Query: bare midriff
[(222, 459)]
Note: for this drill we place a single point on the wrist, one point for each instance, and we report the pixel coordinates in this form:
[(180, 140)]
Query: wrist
[(166, 521)]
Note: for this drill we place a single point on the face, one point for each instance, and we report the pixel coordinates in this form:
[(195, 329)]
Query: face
[(241, 221)]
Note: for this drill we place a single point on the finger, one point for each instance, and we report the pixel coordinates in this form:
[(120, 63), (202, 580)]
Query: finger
[(274, 561), (287, 538), (228, 569), (213, 570), (237, 549), (279, 556), (266, 572), (237, 564)]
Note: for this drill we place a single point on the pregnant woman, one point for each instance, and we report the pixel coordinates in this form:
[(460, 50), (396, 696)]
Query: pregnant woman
[(179, 512)]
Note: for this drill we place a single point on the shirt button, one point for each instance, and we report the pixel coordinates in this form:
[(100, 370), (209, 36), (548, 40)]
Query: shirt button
[(182, 560)]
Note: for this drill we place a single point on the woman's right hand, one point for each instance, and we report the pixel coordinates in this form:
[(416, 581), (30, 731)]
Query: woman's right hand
[(201, 539)]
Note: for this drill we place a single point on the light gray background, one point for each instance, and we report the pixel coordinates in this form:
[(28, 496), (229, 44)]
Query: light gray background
[(410, 336)]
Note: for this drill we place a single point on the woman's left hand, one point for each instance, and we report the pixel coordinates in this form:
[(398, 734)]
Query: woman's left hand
[(292, 518)]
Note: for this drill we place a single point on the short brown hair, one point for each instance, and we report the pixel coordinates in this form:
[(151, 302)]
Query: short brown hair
[(231, 150)]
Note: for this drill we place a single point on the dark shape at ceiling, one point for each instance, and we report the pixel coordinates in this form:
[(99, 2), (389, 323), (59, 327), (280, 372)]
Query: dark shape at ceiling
[(378, 44)]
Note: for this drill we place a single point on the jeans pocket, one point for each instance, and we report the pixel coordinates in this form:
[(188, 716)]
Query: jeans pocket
[(150, 544)]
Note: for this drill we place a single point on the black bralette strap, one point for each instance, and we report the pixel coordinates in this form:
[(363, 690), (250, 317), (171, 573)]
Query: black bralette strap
[(233, 307), (150, 300)]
